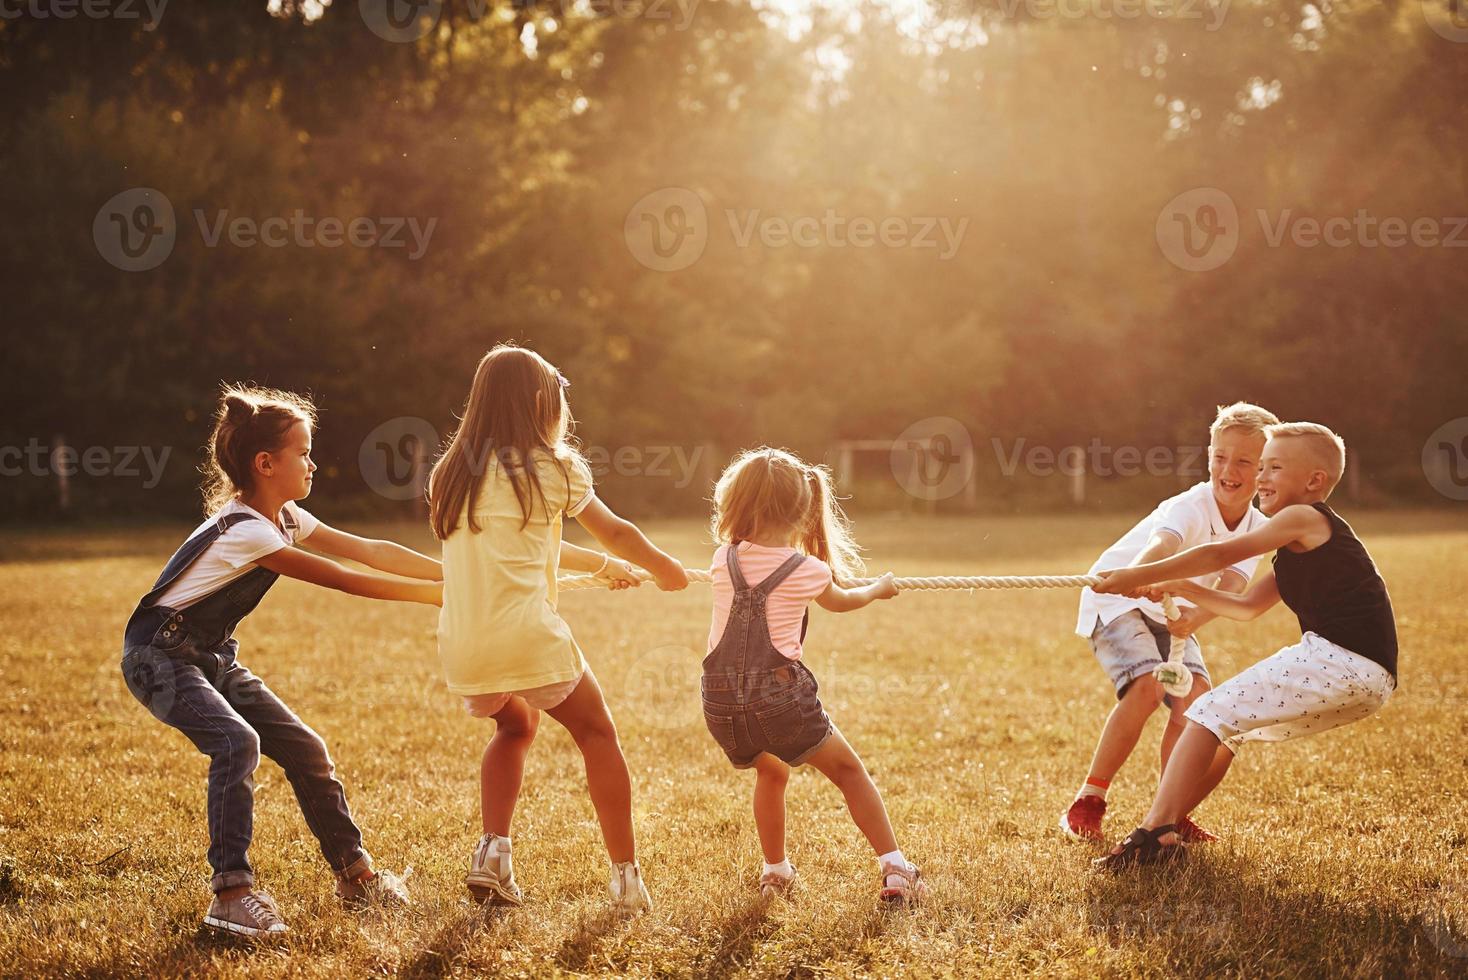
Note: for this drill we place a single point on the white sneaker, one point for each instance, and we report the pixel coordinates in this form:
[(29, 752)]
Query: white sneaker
[(629, 894), (252, 914), (491, 877)]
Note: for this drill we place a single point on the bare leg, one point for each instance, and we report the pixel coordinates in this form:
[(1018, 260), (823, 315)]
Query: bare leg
[(1185, 782), (840, 764), (1176, 723), (585, 716), (1124, 726), (771, 775), (503, 766), (1176, 720)]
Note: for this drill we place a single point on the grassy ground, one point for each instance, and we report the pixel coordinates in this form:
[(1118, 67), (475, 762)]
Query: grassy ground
[(1345, 854)]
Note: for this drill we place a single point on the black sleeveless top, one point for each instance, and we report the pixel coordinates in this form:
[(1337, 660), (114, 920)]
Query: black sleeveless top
[(1337, 593)]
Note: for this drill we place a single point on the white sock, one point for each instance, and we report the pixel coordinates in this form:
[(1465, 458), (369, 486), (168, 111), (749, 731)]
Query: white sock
[(783, 869), (892, 857)]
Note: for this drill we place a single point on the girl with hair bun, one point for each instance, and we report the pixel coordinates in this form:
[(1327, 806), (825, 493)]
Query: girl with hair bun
[(180, 658)]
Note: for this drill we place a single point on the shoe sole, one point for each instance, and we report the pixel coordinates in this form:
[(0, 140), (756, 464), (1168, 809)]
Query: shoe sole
[(235, 929), (1067, 830), (493, 893), (1169, 856), (896, 897)]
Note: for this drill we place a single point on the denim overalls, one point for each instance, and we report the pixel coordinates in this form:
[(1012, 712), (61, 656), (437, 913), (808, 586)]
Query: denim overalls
[(756, 699), (181, 665)]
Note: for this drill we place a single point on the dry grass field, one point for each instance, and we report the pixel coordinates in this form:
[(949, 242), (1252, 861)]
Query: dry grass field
[(1342, 855)]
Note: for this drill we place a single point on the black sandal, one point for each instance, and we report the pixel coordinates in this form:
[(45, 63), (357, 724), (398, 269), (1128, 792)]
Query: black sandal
[(1142, 846)]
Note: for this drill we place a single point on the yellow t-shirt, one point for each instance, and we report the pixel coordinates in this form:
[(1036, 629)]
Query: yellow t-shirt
[(499, 630)]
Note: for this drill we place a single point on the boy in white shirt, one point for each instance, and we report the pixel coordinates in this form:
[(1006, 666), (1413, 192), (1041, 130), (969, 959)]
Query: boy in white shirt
[(1131, 637)]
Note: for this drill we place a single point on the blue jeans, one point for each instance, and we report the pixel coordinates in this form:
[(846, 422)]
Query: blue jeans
[(232, 717)]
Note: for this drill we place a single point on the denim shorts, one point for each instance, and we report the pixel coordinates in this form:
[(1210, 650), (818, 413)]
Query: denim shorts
[(781, 714), (1132, 644)]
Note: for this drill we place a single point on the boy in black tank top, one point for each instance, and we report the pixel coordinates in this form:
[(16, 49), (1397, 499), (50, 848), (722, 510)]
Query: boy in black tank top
[(1345, 665)]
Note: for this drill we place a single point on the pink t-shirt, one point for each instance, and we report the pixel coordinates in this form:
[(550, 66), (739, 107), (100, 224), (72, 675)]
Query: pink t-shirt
[(786, 606)]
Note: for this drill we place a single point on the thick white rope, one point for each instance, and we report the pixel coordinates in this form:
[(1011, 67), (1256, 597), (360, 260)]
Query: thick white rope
[(1173, 674), (923, 583)]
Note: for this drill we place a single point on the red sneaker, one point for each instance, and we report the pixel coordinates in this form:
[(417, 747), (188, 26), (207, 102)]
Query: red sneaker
[(1083, 820), (1190, 833)]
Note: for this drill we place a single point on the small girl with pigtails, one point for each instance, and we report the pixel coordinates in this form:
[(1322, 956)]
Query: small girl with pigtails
[(779, 526), (180, 658)]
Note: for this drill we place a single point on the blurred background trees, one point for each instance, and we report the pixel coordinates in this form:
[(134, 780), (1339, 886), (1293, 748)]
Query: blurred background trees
[(527, 130)]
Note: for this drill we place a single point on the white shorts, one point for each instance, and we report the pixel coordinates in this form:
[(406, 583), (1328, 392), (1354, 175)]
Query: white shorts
[(540, 698), (1304, 689)]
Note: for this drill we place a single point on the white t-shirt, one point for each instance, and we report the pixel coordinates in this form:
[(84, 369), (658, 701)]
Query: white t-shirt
[(233, 554), (1194, 517)]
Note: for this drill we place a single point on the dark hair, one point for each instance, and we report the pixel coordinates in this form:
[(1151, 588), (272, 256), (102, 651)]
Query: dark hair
[(249, 421), (505, 421)]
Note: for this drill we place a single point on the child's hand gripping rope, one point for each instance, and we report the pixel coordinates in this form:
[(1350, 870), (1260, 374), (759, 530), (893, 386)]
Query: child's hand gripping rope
[(1172, 673)]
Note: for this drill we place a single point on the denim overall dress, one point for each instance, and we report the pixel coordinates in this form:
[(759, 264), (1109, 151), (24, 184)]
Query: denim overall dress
[(181, 664), (756, 699)]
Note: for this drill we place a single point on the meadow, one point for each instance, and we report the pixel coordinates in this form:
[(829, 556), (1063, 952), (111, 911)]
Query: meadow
[(1341, 855)]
